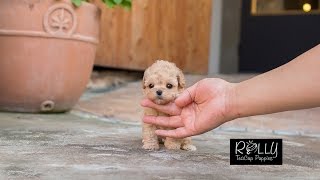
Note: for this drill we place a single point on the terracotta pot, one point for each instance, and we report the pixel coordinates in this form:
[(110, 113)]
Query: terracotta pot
[(47, 50)]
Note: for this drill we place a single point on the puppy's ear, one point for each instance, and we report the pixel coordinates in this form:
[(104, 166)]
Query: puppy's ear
[(181, 80), (143, 83), (145, 74)]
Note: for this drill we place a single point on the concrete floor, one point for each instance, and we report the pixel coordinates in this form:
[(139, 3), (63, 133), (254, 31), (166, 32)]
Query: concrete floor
[(86, 145), (69, 146)]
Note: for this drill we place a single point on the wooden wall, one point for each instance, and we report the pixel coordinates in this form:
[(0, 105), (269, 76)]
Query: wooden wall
[(176, 30)]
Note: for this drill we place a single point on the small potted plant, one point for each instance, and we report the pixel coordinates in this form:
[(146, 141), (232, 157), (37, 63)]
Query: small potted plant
[(47, 51), (110, 3)]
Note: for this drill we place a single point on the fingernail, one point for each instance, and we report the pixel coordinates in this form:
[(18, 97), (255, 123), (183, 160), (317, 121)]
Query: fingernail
[(144, 102), (157, 132), (144, 119)]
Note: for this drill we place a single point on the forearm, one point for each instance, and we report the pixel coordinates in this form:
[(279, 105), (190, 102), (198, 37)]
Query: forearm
[(295, 85)]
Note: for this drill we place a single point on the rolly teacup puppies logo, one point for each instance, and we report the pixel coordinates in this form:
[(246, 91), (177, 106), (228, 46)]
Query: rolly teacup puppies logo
[(256, 151), (251, 147)]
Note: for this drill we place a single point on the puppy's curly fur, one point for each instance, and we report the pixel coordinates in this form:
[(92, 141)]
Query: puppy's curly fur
[(162, 82)]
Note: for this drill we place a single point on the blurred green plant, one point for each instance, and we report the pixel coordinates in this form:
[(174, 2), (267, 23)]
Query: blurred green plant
[(110, 3)]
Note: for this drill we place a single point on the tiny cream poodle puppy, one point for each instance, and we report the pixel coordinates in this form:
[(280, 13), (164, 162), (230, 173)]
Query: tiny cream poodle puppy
[(162, 82)]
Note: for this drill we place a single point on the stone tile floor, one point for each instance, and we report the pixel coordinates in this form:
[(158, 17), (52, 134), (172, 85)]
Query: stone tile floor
[(100, 139)]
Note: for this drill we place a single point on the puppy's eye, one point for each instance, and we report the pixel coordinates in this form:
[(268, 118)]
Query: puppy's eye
[(169, 86), (151, 86)]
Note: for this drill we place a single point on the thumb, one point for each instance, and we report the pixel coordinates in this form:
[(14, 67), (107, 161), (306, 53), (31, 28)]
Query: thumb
[(187, 96)]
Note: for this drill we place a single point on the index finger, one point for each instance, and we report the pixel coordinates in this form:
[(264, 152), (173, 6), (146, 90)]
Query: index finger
[(187, 96), (170, 109)]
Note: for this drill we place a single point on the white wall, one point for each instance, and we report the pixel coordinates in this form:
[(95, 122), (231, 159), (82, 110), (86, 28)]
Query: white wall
[(225, 36)]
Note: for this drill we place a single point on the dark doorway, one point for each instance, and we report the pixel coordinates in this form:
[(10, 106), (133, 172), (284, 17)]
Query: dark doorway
[(273, 32)]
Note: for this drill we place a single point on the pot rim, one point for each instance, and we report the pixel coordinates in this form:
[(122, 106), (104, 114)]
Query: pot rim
[(84, 3), (45, 33)]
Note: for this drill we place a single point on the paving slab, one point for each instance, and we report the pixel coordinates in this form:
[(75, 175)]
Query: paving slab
[(78, 145)]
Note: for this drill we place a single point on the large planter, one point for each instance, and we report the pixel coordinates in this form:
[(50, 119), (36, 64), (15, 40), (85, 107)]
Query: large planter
[(47, 50)]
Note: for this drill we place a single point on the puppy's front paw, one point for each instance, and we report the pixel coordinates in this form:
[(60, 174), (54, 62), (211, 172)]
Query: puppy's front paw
[(189, 147), (151, 146)]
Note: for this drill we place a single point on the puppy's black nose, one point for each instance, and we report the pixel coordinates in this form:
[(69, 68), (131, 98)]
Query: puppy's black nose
[(159, 92)]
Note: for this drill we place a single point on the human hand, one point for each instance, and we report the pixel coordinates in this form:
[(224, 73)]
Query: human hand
[(200, 108)]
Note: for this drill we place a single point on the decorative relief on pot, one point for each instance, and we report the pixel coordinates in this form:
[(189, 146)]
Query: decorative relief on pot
[(60, 20)]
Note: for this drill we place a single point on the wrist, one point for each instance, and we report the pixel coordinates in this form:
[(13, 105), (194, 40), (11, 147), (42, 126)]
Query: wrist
[(232, 106)]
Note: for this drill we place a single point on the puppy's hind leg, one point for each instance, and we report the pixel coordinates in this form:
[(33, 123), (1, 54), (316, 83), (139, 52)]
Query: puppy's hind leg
[(187, 145), (172, 143)]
